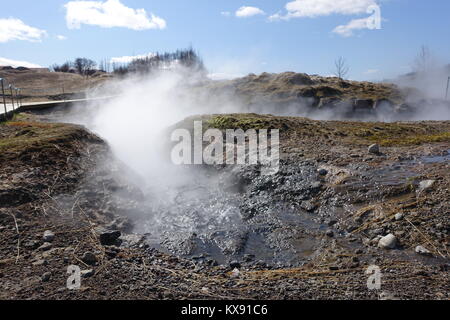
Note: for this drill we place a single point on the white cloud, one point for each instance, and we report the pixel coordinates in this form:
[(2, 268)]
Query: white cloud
[(316, 8), (347, 30), (245, 12), (60, 37), (226, 13), (108, 14), (15, 29), (16, 63), (128, 59), (372, 71)]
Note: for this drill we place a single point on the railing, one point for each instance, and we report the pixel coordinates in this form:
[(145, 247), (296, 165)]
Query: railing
[(14, 96)]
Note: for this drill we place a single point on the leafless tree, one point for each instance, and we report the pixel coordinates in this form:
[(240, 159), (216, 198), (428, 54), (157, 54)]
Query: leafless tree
[(84, 66), (341, 68)]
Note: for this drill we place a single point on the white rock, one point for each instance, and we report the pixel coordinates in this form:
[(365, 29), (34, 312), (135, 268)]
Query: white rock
[(426, 185), (423, 251), (398, 216), (235, 273), (388, 242)]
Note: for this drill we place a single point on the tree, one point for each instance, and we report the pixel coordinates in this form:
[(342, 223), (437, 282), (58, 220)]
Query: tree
[(84, 66), (66, 67), (342, 69)]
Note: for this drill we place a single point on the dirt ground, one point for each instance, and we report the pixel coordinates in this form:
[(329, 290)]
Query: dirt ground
[(50, 181)]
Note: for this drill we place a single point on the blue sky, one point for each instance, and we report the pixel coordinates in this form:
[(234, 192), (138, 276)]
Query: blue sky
[(264, 36)]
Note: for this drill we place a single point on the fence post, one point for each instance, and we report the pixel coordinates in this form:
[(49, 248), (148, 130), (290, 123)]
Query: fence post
[(19, 96), (4, 98), (446, 92), (12, 96)]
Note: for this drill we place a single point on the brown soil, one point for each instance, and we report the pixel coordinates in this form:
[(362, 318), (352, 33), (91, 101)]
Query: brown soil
[(43, 170)]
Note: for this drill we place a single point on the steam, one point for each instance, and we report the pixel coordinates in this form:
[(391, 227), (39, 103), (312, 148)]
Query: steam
[(182, 201)]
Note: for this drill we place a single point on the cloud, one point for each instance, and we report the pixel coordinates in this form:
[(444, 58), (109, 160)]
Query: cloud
[(356, 24), (372, 71), (226, 13), (109, 14), (245, 12), (16, 63), (128, 59), (317, 8), (60, 37), (15, 29)]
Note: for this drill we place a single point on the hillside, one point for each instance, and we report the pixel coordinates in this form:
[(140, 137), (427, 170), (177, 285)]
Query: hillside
[(41, 84)]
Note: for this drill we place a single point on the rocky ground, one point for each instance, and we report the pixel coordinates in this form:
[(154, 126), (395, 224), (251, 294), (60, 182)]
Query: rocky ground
[(310, 231)]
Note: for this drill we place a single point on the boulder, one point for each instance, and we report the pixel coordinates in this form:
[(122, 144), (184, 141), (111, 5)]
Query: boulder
[(48, 236), (374, 149), (388, 242)]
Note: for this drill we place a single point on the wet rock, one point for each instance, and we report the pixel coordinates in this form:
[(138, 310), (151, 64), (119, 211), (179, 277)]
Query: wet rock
[(48, 236), (89, 258), (329, 233), (388, 242), (398, 216), (109, 238), (423, 251), (235, 264), (46, 277), (374, 149), (87, 273), (45, 247), (331, 222), (322, 172)]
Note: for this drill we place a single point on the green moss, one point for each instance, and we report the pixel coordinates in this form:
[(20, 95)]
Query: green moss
[(243, 121), (37, 136), (414, 139)]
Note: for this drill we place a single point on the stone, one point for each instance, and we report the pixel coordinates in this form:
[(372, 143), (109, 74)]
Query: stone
[(87, 273), (330, 233), (388, 242), (46, 277), (398, 216), (331, 222), (235, 265), (235, 273), (322, 172), (45, 247), (423, 251), (109, 238), (40, 262), (89, 258), (374, 149), (426, 185), (48, 236)]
